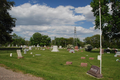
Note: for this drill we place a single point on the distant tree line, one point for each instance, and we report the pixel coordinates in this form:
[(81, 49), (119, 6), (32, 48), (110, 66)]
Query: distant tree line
[(65, 41), (95, 42)]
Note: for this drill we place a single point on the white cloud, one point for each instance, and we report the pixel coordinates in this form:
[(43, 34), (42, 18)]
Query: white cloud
[(50, 21), (86, 11), (28, 14)]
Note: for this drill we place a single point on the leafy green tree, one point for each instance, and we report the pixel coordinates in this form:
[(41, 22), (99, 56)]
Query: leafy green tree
[(110, 23), (17, 40), (6, 21), (40, 39)]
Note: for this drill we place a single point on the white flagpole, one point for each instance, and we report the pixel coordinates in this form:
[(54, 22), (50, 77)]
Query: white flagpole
[(100, 39)]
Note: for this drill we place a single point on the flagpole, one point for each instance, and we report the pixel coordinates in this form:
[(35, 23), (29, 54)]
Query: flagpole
[(100, 39)]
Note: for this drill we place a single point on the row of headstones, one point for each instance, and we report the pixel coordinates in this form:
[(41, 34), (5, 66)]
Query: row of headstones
[(93, 71), (82, 64)]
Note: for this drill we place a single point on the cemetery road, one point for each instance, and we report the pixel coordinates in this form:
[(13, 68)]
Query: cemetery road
[(6, 74)]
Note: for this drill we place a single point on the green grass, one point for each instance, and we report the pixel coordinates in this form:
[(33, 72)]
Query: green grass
[(51, 65)]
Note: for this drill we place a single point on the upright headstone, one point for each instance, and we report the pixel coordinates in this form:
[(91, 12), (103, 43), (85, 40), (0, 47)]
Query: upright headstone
[(60, 47), (25, 51), (19, 54), (16, 45), (95, 71), (30, 48), (76, 48), (71, 51), (55, 49), (10, 54)]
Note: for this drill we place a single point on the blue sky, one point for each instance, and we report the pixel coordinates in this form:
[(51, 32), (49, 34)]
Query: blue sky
[(53, 18)]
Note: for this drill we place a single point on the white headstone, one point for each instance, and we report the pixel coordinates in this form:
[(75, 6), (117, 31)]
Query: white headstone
[(10, 54), (71, 51), (25, 50), (55, 49), (19, 54), (30, 48), (60, 47)]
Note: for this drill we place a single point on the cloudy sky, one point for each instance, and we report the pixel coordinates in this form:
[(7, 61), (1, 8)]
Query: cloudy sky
[(53, 18)]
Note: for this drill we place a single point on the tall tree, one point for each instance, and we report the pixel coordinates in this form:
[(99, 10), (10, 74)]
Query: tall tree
[(6, 21), (110, 23), (17, 40), (40, 39)]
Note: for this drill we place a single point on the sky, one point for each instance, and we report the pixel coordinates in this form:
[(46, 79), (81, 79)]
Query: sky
[(55, 18)]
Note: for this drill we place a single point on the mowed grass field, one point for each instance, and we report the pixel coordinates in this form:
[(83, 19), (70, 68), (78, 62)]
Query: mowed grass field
[(52, 65)]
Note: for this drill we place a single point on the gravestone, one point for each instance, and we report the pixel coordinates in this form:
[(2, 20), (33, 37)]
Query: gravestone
[(30, 48), (60, 47), (95, 71), (117, 53), (16, 45), (84, 64), (8, 45), (55, 49), (76, 48), (19, 54), (82, 57), (25, 50), (10, 54), (71, 51), (68, 62)]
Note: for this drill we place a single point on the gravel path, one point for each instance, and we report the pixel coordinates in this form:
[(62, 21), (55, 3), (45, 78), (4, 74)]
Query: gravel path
[(6, 74)]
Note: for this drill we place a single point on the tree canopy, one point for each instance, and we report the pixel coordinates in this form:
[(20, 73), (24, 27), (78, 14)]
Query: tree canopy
[(110, 22), (6, 21), (40, 39)]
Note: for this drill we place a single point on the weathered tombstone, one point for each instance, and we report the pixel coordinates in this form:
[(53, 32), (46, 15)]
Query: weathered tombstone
[(60, 47), (30, 48), (117, 53), (84, 64), (82, 57), (16, 45), (76, 48), (10, 54), (45, 46), (55, 49), (68, 62), (95, 71), (25, 50), (71, 51), (12, 45), (8, 45), (19, 54)]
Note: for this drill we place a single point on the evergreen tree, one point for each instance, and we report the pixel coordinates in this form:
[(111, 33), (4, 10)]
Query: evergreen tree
[(6, 21)]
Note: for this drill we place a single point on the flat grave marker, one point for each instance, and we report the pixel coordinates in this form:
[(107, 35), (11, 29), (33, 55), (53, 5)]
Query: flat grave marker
[(68, 63), (84, 64), (82, 57)]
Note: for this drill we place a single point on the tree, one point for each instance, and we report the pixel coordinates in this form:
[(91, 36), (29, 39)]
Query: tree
[(110, 23), (40, 39), (6, 21), (17, 40)]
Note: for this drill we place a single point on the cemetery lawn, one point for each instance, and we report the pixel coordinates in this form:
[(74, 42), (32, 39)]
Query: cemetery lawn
[(52, 65)]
